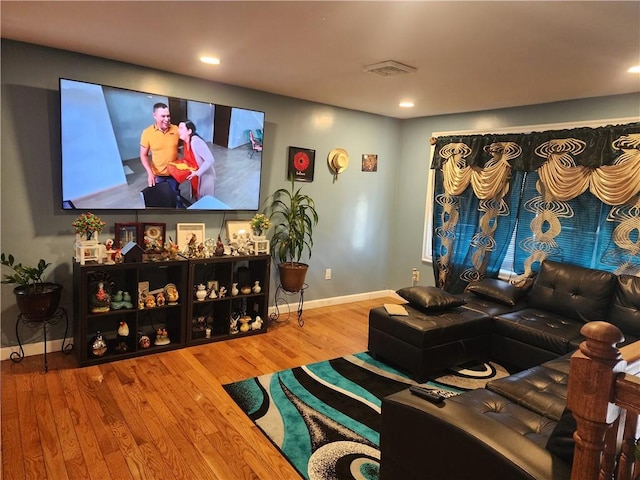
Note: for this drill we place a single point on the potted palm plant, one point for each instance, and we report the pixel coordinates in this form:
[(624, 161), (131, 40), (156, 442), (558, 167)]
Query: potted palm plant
[(36, 299), (293, 216)]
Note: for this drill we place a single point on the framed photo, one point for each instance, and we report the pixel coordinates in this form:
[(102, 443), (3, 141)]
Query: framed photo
[(125, 233), (238, 229), (301, 164), (369, 162), (184, 232), (153, 236)]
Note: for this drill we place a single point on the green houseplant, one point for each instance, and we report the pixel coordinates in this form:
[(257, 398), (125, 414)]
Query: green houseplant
[(293, 216), (36, 299)]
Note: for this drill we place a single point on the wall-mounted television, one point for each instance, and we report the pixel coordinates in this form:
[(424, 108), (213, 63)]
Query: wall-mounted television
[(101, 127)]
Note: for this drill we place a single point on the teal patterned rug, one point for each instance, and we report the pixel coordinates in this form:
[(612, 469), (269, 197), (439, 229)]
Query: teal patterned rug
[(325, 417)]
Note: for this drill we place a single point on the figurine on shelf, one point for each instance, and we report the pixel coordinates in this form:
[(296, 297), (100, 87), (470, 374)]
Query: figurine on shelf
[(117, 257), (256, 287), (245, 290), (233, 325), (223, 292), (123, 329), (141, 301), (173, 250), (101, 299), (234, 289), (172, 294), (257, 323), (244, 323), (98, 346), (212, 293), (121, 300), (162, 337), (219, 251), (160, 300), (110, 252), (144, 342), (149, 301)]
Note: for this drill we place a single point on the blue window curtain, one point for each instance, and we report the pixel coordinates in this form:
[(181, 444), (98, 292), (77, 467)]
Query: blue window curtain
[(567, 195)]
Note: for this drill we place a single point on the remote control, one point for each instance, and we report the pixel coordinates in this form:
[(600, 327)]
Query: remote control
[(427, 394)]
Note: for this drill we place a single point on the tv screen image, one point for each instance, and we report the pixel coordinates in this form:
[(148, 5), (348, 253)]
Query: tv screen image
[(101, 128)]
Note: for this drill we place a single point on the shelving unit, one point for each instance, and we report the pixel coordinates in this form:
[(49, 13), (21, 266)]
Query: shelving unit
[(220, 311), (180, 319)]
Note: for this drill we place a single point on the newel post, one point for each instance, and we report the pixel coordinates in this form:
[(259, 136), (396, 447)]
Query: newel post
[(591, 382)]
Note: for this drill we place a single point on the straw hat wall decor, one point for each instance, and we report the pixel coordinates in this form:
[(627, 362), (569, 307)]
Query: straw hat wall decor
[(338, 160)]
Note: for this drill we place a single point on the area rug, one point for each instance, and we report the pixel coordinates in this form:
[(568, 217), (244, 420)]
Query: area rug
[(325, 417)]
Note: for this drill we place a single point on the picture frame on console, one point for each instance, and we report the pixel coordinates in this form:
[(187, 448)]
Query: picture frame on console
[(153, 236), (238, 229), (184, 232), (125, 233)]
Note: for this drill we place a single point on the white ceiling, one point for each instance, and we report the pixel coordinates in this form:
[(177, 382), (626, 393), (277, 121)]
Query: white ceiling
[(469, 56)]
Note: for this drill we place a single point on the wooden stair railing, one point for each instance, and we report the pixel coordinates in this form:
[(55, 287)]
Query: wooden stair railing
[(604, 397)]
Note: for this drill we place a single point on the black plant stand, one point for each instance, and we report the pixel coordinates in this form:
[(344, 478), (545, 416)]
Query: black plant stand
[(59, 315), (281, 295)]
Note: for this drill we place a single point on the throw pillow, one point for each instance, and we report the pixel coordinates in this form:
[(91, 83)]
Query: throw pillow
[(561, 442), (497, 290), (430, 298)]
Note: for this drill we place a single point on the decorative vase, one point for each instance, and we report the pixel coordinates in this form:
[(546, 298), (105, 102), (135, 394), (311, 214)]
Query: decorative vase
[(234, 289), (256, 287), (201, 293), (244, 323)]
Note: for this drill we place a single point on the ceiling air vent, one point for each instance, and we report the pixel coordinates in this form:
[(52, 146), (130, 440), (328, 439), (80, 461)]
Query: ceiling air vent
[(389, 68)]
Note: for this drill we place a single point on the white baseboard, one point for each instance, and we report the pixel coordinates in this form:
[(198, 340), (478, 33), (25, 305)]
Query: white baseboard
[(56, 345)]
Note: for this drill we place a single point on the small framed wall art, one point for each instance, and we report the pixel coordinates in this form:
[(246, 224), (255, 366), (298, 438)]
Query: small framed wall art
[(369, 162), (125, 233), (153, 236), (185, 231), (238, 229), (301, 164)]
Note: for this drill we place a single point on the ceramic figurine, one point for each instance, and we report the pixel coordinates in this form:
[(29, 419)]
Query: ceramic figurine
[(162, 337), (256, 287), (219, 251), (233, 326), (245, 290), (172, 294), (126, 300), (149, 301), (257, 323), (160, 300), (234, 289), (244, 323), (141, 302), (212, 294), (144, 342), (223, 292), (201, 292), (98, 346), (123, 329)]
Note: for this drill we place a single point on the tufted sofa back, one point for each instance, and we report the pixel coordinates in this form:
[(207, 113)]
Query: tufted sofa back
[(575, 292), (624, 312)]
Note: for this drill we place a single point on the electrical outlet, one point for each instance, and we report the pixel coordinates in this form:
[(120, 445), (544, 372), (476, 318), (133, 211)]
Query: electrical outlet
[(415, 276), (327, 274)]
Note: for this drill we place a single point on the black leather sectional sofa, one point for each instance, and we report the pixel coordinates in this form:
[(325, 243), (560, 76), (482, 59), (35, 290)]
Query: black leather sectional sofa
[(503, 430)]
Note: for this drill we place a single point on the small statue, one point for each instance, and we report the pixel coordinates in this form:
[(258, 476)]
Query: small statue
[(98, 346), (222, 293), (162, 337), (144, 342), (233, 325), (149, 301), (123, 329), (219, 251), (172, 294), (257, 323), (160, 299), (101, 300), (141, 302), (256, 287)]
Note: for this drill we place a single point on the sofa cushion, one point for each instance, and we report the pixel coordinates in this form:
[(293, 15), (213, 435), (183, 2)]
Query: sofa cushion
[(539, 328), (572, 291), (541, 389), (497, 290), (426, 298), (624, 312)]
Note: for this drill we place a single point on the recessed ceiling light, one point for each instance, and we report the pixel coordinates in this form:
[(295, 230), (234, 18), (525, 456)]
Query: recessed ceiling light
[(210, 60), (634, 69), (406, 104)]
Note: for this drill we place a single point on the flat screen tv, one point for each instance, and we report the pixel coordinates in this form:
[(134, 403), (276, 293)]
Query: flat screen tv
[(100, 143)]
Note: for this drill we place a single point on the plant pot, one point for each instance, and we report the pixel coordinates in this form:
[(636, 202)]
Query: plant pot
[(292, 275), (38, 302)]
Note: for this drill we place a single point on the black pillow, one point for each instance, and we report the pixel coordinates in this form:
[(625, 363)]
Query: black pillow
[(430, 298), (497, 290), (561, 442)]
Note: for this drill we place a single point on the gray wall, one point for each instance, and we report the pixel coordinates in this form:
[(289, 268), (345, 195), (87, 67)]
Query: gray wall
[(371, 224)]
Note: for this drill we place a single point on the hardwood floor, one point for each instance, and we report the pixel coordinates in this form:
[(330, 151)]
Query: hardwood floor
[(162, 416)]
